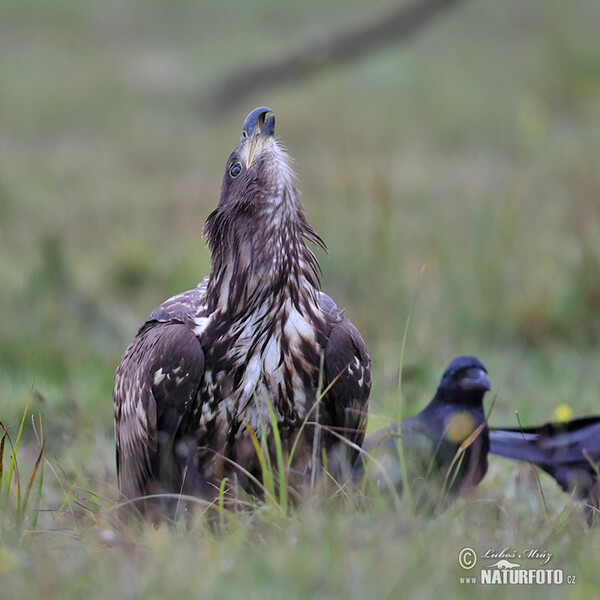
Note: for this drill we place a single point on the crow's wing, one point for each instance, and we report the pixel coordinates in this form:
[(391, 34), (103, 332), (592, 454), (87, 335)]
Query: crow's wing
[(381, 460), (428, 454)]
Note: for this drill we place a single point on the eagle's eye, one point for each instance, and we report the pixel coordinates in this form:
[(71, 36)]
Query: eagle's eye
[(235, 169)]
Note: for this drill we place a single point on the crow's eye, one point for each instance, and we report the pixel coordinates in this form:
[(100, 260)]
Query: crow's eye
[(235, 169)]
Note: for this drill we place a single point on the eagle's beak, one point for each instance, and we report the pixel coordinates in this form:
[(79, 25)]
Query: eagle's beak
[(258, 127)]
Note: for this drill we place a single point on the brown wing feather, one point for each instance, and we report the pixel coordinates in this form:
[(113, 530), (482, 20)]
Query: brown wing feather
[(348, 366), (157, 379)]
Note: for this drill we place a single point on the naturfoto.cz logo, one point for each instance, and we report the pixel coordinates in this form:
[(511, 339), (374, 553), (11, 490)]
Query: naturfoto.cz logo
[(507, 568)]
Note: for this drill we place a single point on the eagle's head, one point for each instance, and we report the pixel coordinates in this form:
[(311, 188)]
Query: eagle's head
[(257, 232), (258, 173), (258, 184)]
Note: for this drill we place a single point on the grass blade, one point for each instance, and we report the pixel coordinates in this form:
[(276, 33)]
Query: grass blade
[(267, 473), (32, 477), (2, 452), (13, 466), (309, 413), (263, 431), (403, 470), (221, 504), (283, 483)]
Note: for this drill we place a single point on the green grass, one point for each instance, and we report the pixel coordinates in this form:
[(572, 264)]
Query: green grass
[(15, 508), (462, 166)]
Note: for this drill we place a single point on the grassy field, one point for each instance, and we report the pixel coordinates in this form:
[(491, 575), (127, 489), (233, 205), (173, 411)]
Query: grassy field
[(454, 179)]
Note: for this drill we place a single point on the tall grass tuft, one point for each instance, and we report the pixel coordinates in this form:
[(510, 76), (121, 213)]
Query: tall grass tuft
[(16, 511), (403, 469)]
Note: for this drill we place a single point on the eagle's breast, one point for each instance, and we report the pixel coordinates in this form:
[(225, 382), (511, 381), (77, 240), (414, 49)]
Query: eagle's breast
[(272, 354)]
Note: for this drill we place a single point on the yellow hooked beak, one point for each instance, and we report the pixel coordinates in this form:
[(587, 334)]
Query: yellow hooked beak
[(258, 127)]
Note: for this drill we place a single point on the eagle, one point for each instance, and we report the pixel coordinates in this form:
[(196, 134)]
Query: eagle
[(256, 342)]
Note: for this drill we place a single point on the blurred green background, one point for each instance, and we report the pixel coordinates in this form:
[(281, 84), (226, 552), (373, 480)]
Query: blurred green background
[(455, 179), (460, 170)]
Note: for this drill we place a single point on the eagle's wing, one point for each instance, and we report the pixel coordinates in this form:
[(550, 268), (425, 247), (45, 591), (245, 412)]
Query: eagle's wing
[(347, 369), (157, 380)]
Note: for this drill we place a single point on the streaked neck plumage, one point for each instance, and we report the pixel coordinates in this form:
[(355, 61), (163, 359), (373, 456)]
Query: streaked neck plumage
[(257, 240)]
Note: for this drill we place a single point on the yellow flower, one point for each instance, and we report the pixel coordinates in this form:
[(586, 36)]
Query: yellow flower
[(563, 412)]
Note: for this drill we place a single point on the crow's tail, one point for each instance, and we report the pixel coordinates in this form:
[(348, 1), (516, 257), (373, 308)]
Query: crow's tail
[(569, 452)]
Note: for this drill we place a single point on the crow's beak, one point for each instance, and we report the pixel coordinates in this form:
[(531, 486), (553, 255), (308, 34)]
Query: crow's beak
[(258, 127), (474, 378)]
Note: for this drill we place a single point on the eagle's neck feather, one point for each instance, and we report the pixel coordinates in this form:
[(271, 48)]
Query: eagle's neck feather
[(260, 255)]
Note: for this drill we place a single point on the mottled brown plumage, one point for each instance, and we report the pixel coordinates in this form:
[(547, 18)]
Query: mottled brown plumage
[(198, 373)]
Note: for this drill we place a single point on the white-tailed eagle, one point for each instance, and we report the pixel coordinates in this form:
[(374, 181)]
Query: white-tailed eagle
[(192, 387)]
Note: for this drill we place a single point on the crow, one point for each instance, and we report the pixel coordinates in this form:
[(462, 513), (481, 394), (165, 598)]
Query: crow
[(568, 451), (445, 446)]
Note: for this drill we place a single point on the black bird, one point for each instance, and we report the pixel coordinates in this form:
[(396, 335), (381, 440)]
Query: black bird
[(568, 451), (431, 440), (192, 387)]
